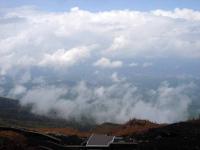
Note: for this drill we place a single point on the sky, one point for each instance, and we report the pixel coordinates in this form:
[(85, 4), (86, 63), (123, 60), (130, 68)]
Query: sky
[(101, 5), (136, 59)]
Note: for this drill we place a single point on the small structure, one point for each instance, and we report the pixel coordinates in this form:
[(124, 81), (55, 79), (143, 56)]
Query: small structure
[(100, 141)]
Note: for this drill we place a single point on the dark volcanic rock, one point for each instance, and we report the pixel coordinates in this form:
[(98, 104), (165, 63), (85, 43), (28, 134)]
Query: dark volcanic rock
[(185, 135)]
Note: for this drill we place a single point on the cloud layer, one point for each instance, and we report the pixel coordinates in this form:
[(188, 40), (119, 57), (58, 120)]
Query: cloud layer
[(37, 46), (118, 102), (54, 39)]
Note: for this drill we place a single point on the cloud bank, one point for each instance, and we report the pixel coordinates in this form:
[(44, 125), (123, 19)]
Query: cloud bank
[(32, 41), (118, 102)]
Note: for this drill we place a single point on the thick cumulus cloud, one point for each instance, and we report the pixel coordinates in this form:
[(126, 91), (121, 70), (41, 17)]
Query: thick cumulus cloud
[(54, 39), (64, 57), (118, 102)]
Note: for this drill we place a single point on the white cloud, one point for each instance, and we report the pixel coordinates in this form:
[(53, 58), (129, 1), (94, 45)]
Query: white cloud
[(17, 91), (116, 78), (121, 98), (64, 57), (119, 43), (185, 13), (75, 9), (29, 36), (107, 63), (43, 99)]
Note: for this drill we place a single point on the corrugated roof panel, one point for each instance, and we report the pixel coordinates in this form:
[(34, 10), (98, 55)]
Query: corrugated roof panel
[(100, 140)]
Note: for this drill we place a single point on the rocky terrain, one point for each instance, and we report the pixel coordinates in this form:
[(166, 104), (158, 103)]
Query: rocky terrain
[(183, 136)]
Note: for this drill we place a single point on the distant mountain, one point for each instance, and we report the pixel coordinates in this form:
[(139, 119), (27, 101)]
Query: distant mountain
[(12, 114)]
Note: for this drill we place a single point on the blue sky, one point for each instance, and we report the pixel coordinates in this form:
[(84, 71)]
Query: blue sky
[(100, 5)]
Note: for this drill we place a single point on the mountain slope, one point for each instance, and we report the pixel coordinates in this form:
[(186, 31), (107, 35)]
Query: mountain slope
[(12, 114), (183, 135)]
